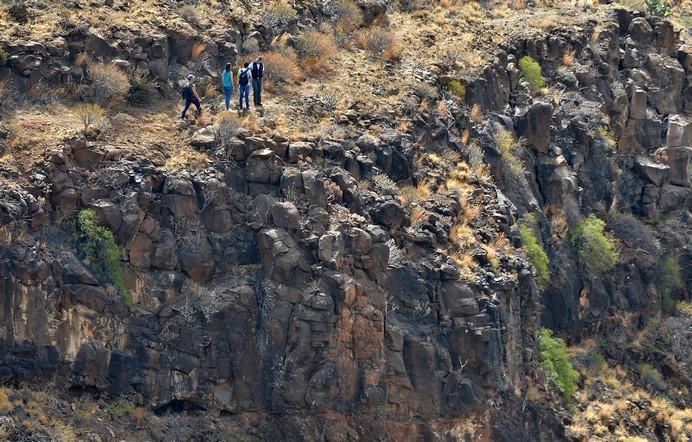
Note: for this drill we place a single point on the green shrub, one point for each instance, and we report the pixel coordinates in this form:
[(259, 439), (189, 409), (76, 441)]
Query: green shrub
[(531, 72), (595, 249), (651, 376), (119, 408), (534, 249), (668, 282), (457, 88), (658, 8), (557, 364), (98, 248)]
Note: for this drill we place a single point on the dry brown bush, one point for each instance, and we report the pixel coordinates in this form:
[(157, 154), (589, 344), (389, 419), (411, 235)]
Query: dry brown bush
[(282, 67), (378, 41), (316, 44), (109, 83)]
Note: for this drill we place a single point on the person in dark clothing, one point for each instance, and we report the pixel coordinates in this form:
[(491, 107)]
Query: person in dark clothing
[(257, 74), (244, 77), (190, 96)]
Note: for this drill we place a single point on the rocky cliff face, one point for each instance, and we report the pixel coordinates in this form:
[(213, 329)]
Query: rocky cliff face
[(277, 294)]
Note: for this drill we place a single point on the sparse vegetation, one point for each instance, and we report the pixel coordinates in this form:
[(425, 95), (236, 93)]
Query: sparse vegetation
[(385, 184), (557, 364), (96, 245), (316, 49), (279, 16), (531, 72), (534, 249), (119, 408), (345, 14), (597, 250)]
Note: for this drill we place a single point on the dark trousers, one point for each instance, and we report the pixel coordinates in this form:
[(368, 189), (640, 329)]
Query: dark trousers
[(257, 91), (194, 101)]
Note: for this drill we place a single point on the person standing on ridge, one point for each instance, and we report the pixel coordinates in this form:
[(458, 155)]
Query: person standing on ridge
[(190, 96), (257, 74), (244, 77), (227, 79)]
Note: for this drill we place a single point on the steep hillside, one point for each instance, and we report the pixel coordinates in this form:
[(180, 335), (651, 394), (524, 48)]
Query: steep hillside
[(447, 222)]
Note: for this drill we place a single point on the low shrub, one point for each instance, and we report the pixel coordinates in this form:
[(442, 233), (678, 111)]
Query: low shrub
[(316, 50), (279, 16), (108, 83), (141, 90), (595, 249), (534, 249), (668, 282), (457, 88), (385, 184), (557, 364), (531, 72), (96, 245), (119, 408), (651, 376), (284, 68)]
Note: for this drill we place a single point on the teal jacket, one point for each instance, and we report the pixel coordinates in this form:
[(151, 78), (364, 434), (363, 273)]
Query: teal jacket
[(227, 77)]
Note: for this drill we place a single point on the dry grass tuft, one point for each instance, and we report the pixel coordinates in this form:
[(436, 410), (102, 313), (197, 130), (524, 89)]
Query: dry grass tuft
[(197, 50), (476, 113), (414, 194), (568, 57), (188, 158)]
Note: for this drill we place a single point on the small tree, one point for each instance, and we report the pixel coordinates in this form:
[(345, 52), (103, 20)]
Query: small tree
[(89, 114), (531, 72), (557, 364)]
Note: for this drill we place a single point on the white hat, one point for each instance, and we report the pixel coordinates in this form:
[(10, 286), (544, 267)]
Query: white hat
[(190, 77)]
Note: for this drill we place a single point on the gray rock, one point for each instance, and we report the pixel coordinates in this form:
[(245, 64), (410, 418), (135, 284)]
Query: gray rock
[(655, 172)]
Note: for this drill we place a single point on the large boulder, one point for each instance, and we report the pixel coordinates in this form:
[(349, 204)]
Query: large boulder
[(679, 131), (286, 215), (389, 213), (264, 166), (655, 172), (640, 31), (678, 158), (534, 124)]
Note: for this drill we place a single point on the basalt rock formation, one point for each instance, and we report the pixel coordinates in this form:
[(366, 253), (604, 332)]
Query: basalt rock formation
[(275, 295)]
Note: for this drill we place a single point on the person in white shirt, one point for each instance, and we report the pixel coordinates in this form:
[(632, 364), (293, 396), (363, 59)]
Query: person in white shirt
[(244, 79)]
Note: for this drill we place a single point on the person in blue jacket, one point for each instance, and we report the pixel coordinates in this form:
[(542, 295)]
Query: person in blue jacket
[(227, 78)]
